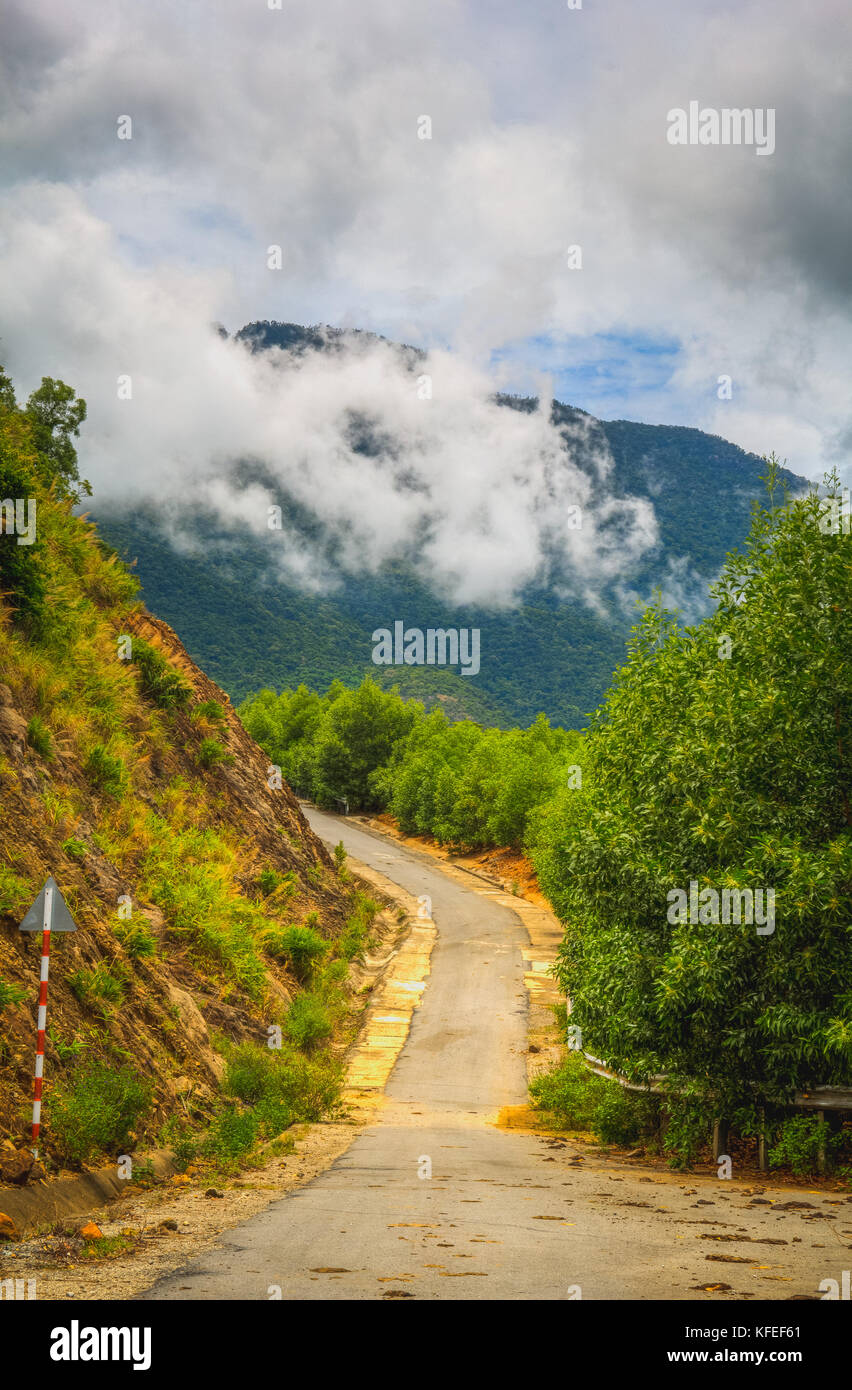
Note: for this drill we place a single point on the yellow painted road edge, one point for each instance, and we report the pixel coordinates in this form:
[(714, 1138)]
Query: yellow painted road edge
[(388, 1017)]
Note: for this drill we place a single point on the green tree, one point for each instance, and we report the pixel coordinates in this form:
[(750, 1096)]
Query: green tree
[(357, 736), (56, 414), (721, 757)]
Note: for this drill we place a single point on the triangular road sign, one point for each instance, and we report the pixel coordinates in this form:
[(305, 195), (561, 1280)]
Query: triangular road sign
[(61, 919)]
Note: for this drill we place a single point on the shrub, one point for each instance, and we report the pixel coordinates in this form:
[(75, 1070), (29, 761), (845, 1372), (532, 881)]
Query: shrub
[(280, 1086), (580, 1100), (308, 1022), (262, 1076), (301, 947), (797, 1144), (96, 1110)]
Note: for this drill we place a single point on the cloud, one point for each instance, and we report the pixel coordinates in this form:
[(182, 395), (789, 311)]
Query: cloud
[(298, 127), (475, 495)]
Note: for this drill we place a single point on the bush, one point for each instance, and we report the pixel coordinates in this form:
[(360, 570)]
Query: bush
[(580, 1100), (96, 1110), (797, 1144), (301, 947), (308, 1022), (281, 1087)]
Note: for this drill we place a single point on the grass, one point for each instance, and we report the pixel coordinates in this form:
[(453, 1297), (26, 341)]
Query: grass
[(191, 873), (356, 933), (15, 891), (159, 681), (107, 1247), (137, 939), (210, 712), (99, 987), (40, 738), (266, 1091), (105, 772), (210, 753), (11, 994)]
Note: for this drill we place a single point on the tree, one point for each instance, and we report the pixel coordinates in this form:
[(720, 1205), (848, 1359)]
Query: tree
[(56, 413), (722, 757)]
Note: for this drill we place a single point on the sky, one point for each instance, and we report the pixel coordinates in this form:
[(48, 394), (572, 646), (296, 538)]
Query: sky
[(301, 127)]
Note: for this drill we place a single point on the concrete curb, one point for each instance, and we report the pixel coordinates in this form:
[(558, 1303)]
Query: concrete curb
[(33, 1206)]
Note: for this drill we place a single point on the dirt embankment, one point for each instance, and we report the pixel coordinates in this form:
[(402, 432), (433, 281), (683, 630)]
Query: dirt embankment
[(161, 1013)]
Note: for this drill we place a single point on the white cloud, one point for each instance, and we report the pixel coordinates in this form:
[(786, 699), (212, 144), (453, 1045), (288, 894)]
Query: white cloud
[(299, 127)]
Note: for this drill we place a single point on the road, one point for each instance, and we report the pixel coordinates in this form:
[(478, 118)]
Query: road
[(551, 1225)]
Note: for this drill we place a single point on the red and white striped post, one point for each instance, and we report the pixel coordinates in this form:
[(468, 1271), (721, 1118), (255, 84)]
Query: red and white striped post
[(42, 1011)]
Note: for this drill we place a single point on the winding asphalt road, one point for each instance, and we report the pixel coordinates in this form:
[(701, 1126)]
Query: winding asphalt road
[(549, 1224)]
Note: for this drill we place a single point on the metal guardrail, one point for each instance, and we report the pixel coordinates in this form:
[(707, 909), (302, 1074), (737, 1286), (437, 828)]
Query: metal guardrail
[(817, 1098)]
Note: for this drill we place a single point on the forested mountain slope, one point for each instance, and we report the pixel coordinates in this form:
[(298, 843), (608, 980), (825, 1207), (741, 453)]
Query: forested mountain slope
[(552, 653)]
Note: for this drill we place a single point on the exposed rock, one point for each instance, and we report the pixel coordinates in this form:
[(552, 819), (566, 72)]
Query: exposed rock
[(16, 1167), (8, 1229), (13, 726)]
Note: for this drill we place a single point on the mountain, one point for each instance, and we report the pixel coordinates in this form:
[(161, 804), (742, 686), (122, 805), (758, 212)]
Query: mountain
[(551, 653)]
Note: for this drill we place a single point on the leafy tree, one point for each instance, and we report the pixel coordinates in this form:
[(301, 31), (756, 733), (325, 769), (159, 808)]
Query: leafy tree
[(721, 757), (357, 735), (56, 413)]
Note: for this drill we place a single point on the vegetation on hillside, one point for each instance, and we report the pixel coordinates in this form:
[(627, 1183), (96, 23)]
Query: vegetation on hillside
[(207, 911)]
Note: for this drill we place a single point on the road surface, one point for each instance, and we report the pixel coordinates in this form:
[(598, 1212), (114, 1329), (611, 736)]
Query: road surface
[(548, 1224)]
